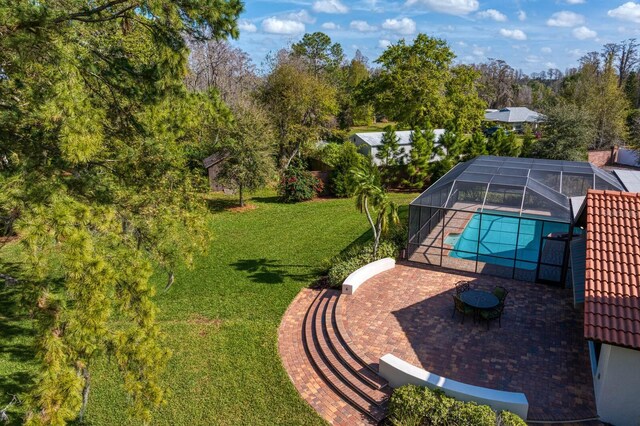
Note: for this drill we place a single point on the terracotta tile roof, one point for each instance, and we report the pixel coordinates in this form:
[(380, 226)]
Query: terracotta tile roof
[(612, 285)]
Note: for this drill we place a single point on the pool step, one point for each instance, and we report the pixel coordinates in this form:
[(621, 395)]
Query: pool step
[(335, 364)]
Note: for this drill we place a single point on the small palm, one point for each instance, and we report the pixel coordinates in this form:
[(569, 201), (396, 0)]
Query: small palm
[(369, 193)]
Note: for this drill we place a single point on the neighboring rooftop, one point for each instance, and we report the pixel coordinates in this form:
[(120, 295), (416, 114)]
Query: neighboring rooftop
[(523, 186), (630, 179), (612, 284), (513, 115), (374, 139)]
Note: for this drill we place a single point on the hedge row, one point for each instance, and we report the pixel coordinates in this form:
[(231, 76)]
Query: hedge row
[(419, 406)]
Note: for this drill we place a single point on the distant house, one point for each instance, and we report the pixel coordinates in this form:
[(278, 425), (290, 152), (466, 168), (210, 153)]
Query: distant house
[(369, 143), (213, 164), (513, 118), (609, 261)]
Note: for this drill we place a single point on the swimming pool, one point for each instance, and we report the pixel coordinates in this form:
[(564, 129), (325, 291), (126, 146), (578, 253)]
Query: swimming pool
[(498, 239)]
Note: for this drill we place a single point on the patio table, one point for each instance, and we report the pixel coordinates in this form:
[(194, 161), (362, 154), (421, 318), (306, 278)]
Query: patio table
[(479, 299)]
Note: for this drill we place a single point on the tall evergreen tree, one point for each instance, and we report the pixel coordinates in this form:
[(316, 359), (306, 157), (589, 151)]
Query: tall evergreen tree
[(419, 164), (449, 149), (528, 141), (95, 133), (476, 146), (497, 142), (389, 153)]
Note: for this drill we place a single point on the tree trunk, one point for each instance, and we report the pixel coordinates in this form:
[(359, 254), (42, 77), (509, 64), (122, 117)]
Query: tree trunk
[(85, 392), (295, 152), (241, 196), (376, 243), (373, 226)]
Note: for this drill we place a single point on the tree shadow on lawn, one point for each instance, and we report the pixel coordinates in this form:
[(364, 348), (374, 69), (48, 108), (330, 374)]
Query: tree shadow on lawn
[(271, 271), (267, 200), (217, 205)]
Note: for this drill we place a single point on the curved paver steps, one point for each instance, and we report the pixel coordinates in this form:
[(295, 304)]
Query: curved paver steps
[(335, 383)]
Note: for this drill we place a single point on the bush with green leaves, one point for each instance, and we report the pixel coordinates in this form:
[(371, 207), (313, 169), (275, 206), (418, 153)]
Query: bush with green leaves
[(412, 405), (342, 158), (298, 184), (356, 257), (507, 418)]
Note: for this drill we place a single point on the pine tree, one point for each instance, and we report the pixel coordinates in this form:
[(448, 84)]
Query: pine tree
[(96, 133), (497, 142), (509, 146), (389, 153), (476, 146), (419, 165), (528, 141), (450, 149)]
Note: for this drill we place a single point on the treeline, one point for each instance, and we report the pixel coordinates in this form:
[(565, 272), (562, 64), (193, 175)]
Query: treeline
[(310, 93), (602, 93)]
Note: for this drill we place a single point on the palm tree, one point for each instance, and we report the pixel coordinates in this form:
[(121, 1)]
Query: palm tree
[(370, 194)]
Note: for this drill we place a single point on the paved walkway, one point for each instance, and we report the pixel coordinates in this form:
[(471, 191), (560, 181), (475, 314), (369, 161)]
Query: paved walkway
[(407, 311), (540, 349)]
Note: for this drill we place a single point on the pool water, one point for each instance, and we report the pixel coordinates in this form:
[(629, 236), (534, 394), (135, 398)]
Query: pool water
[(497, 240), (452, 239)]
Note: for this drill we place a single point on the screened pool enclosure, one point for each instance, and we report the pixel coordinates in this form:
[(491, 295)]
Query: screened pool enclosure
[(504, 216)]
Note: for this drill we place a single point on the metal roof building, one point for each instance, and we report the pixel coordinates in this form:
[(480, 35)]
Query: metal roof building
[(513, 115)]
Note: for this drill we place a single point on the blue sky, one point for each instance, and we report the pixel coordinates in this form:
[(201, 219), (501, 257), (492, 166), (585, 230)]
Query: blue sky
[(532, 35)]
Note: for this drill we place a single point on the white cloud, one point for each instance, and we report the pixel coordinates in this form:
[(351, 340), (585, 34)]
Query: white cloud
[(301, 16), (630, 11), (362, 26), (532, 59), (247, 26), (575, 1), (584, 33), (492, 14), (330, 26), (404, 26), (513, 34), (480, 51), (329, 6), (522, 15), (275, 25), (550, 65), (452, 7), (383, 44), (576, 53), (565, 19), (546, 50)]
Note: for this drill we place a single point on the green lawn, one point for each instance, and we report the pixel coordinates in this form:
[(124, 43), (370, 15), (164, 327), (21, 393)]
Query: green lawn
[(221, 318), (374, 127)]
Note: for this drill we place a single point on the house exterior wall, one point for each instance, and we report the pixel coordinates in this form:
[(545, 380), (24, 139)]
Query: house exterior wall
[(617, 385)]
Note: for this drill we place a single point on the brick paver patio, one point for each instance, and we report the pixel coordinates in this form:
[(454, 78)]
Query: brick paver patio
[(540, 349)]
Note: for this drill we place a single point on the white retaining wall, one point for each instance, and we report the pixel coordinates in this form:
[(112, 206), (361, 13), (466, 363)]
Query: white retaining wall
[(355, 280), (399, 373)]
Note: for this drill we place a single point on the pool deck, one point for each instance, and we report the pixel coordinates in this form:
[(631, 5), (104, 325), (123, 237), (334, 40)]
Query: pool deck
[(539, 350)]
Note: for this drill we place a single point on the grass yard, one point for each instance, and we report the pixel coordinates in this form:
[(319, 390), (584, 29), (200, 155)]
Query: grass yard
[(221, 318), (374, 127)]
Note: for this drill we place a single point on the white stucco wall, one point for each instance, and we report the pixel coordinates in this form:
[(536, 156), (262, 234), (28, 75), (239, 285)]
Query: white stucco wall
[(617, 386)]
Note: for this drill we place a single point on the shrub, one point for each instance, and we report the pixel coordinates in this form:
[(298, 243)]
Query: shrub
[(507, 418), (415, 406), (341, 158), (356, 257), (298, 184)]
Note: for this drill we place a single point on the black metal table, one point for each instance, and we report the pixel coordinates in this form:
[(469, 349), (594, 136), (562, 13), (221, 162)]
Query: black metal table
[(479, 299)]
